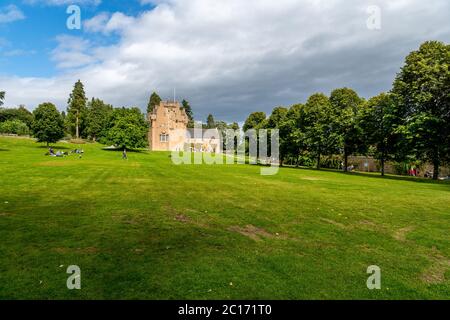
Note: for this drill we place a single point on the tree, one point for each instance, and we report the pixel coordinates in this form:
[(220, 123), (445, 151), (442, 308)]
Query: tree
[(48, 125), (187, 108), (2, 97), (422, 90), (25, 116), (293, 134), (97, 118), (154, 101), (210, 122), (20, 113), (274, 121), (347, 106), (277, 117), (127, 128), (319, 135), (255, 121), (77, 111), (378, 122), (222, 127), (14, 127)]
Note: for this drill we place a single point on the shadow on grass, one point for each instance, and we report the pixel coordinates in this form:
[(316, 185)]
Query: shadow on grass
[(128, 150), (399, 178), (376, 176), (4, 150), (55, 147)]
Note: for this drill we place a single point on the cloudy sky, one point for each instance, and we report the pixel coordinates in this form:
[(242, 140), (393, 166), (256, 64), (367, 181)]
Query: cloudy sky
[(227, 57)]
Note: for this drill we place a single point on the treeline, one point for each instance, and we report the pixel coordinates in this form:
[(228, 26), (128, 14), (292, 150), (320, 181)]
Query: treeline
[(408, 124), (89, 120)]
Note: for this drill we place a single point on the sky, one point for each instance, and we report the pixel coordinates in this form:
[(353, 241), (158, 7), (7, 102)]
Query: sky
[(226, 57)]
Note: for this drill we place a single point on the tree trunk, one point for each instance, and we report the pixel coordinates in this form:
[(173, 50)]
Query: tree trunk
[(77, 132), (318, 161), (345, 161), (382, 166), (436, 169)]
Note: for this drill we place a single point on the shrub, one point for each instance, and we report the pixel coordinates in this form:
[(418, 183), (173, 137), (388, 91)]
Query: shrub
[(14, 127)]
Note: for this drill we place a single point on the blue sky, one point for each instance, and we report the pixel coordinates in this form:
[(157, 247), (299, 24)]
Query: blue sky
[(28, 42), (226, 57)]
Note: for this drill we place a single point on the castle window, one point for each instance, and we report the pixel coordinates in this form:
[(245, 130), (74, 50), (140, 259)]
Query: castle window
[(164, 137)]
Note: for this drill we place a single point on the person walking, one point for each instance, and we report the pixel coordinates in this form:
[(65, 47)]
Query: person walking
[(124, 154)]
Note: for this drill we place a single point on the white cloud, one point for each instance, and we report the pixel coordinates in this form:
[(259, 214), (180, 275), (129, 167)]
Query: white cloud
[(72, 52), (233, 57), (106, 23), (10, 13)]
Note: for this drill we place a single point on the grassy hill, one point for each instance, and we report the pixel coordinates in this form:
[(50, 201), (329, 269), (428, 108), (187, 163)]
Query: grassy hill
[(148, 229)]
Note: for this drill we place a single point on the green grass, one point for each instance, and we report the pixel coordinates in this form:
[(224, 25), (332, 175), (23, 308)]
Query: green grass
[(148, 229)]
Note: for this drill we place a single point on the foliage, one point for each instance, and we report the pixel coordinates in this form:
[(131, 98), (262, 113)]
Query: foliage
[(97, 118), (422, 89), (187, 108), (14, 127), (319, 135), (255, 120), (154, 101), (346, 111), (126, 128), (48, 125), (293, 136), (20, 113), (76, 119), (210, 122), (379, 122)]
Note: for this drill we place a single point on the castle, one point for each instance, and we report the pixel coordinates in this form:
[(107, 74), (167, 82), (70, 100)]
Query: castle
[(169, 131)]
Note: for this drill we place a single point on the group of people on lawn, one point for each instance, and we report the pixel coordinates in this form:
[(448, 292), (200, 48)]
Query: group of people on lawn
[(61, 154), (80, 152)]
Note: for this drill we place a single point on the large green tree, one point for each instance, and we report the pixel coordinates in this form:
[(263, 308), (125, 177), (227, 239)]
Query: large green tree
[(97, 118), (154, 101), (422, 90), (127, 128), (293, 134), (320, 136), (346, 111), (77, 111), (48, 125), (255, 120), (379, 122), (275, 120)]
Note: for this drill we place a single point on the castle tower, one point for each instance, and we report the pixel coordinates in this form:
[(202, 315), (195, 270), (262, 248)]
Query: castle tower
[(168, 125)]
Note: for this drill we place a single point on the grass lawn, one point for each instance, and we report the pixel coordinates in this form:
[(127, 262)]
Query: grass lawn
[(148, 229)]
